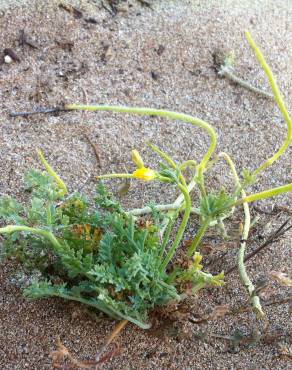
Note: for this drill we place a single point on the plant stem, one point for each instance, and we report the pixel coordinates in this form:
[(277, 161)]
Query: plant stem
[(198, 237), (179, 200), (241, 253), (52, 172), (241, 266), (163, 155), (279, 100), (161, 113), (175, 116), (264, 194), (225, 71), (261, 195), (159, 207), (181, 229), (168, 160), (198, 287), (46, 234), (189, 163), (116, 176), (231, 166), (116, 332), (166, 233)]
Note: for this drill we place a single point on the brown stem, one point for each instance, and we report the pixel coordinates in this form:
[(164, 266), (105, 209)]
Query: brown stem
[(271, 239)]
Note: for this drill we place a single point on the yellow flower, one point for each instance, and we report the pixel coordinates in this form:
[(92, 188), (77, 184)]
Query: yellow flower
[(144, 173), (136, 158)]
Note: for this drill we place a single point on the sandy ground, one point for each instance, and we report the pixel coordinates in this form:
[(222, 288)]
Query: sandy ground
[(159, 57)]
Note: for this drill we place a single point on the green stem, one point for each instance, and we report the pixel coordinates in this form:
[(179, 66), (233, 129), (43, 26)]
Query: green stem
[(168, 160), (177, 204), (241, 253), (46, 234), (163, 155), (201, 183), (147, 209), (279, 100), (241, 266), (261, 195), (9, 229), (166, 234), (116, 175), (222, 229), (198, 237), (49, 215), (264, 194), (53, 173), (179, 200), (198, 287), (161, 113), (231, 165), (160, 208), (181, 229), (189, 163)]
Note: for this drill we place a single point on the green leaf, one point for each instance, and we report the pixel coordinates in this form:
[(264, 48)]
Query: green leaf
[(105, 200), (248, 178), (43, 289), (169, 173), (10, 210), (216, 205), (42, 185)]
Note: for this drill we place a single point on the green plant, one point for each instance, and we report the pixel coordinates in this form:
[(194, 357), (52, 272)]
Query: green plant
[(100, 255), (95, 254)]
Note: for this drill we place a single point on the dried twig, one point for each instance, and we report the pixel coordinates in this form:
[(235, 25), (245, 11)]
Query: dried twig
[(228, 73), (273, 302), (72, 10), (283, 209), (224, 311), (85, 132), (224, 65), (270, 239), (62, 353), (38, 111), (113, 336), (94, 147), (112, 8)]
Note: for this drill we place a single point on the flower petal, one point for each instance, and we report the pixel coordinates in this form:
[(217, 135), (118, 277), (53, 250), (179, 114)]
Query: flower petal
[(144, 173)]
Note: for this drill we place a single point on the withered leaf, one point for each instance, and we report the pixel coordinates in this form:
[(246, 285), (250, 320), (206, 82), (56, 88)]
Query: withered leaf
[(281, 278)]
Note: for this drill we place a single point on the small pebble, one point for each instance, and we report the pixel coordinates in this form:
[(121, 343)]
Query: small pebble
[(8, 59)]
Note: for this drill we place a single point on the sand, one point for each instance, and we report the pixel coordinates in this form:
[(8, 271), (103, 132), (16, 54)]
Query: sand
[(159, 57)]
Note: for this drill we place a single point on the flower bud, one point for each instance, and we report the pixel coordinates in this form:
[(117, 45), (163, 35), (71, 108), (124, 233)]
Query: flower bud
[(136, 158)]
